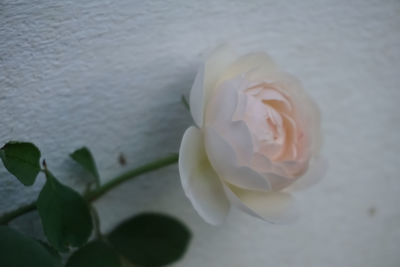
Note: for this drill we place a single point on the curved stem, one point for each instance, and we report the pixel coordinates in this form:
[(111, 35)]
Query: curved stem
[(154, 165), (100, 191), (7, 217)]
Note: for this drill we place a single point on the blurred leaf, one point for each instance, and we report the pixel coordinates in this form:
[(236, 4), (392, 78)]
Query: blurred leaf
[(50, 249), (84, 157), (18, 250), (96, 253), (22, 160), (65, 215), (151, 239)]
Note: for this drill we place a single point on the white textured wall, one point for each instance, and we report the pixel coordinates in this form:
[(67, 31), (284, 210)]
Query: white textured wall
[(109, 75)]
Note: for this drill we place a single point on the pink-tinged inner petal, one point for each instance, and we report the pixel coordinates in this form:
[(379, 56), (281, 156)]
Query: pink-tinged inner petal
[(264, 130), (274, 131), (277, 133)]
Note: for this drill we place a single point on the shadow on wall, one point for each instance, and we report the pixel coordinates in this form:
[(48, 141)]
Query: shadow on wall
[(156, 130)]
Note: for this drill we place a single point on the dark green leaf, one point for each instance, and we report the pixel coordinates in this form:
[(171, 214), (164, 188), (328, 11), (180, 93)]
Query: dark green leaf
[(22, 160), (151, 239), (65, 215), (96, 253), (86, 160), (50, 249), (18, 250)]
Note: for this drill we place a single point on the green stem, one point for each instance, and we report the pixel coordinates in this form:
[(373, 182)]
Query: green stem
[(157, 164), (7, 217), (100, 191)]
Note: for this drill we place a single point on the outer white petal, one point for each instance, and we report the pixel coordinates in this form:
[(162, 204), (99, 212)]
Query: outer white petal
[(196, 100), (275, 207), (205, 82), (199, 181), (259, 64), (316, 170), (222, 157), (219, 116)]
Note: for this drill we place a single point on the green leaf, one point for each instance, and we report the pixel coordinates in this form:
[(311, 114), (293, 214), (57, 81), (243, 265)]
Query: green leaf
[(96, 253), (50, 249), (22, 160), (18, 250), (151, 239), (65, 215), (86, 160)]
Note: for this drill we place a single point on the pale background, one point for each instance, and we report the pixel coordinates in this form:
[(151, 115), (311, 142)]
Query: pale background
[(110, 74)]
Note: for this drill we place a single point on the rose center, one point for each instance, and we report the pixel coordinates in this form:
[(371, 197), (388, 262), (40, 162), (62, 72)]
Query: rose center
[(266, 111)]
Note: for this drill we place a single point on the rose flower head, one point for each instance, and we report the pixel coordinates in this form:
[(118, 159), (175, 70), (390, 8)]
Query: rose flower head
[(256, 140)]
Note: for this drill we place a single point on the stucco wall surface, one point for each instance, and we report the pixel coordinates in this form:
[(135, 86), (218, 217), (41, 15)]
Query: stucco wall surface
[(110, 74)]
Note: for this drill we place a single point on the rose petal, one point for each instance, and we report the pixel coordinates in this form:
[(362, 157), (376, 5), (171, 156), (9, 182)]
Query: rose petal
[(289, 151), (268, 94), (216, 62), (262, 164), (259, 64), (199, 181), (222, 157), (196, 101), (316, 170), (219, 116), (271, 97), (305, 108), (275, 207)]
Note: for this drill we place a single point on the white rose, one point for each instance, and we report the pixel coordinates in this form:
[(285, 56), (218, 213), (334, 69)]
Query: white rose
[(257, 138)]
